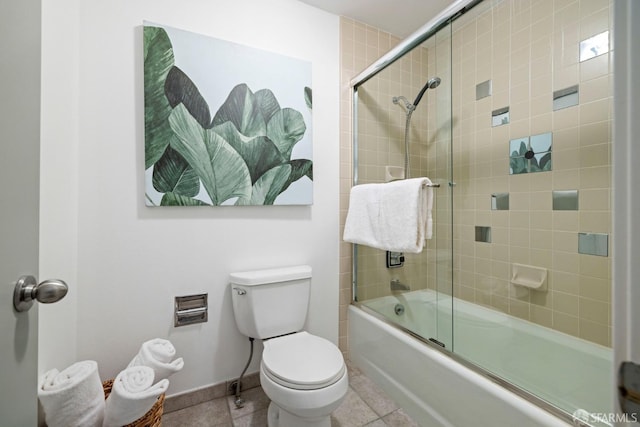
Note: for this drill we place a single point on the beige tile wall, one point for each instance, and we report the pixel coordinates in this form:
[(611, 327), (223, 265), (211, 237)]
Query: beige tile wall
[(360, 45), (381, 132), (529, 49)]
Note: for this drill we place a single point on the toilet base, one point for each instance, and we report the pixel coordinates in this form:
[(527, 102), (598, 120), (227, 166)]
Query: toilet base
[(278, 417)]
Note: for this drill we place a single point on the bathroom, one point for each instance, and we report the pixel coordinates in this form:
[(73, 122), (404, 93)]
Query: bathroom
[(125, 262)]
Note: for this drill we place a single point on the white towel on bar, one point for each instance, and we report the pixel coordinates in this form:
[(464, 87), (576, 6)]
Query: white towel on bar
[(73, 397), (395, 216), (158, 354), (133, 394)]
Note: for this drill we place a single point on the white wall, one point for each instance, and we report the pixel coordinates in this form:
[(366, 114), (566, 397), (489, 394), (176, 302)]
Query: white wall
[(132, 260), (59, 180)]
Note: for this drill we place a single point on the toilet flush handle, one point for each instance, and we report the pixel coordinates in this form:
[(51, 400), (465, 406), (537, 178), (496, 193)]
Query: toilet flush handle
[(240, 291)]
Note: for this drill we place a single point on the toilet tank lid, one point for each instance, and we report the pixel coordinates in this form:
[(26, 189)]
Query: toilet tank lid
[(272, 275)]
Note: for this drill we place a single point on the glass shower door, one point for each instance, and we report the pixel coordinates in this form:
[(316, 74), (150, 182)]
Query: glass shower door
[(532, 164), (413, 291), (518, 137), (435, 148)]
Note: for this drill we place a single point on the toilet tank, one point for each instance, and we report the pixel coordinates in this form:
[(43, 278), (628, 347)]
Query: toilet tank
[(268, 303)]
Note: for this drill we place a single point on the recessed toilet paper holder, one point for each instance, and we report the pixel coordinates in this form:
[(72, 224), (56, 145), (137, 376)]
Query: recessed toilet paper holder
[(191, 309), (529, 276)]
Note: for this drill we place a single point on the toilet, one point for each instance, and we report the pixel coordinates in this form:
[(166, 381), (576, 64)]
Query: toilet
[(304, 375)]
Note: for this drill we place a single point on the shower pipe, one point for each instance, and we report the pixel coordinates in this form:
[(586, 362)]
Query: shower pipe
[(431, 84), (457, 8)]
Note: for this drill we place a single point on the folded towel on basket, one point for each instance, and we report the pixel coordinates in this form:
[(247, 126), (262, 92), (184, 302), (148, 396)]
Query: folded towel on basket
[(73, 397), (133, 394), (158, 354), (395, 216)]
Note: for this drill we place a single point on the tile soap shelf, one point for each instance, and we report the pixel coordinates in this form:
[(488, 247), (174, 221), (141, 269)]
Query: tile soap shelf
[(529, 276)]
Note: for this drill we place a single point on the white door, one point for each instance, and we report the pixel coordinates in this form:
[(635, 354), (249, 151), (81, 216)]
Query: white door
[(626, 273), (19, 194)]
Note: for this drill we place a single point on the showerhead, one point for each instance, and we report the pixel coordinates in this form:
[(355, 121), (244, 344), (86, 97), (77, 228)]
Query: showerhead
[(434, 82), (431, 84)]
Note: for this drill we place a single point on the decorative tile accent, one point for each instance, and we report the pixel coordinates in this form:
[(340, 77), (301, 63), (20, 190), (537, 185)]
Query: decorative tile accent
[(565, 200), (500, 201), (594, 46), (530, 154), (565, 98), (541, 143), (483, 89), (518, 149), (593, 244), (500, 117), (483, 234)]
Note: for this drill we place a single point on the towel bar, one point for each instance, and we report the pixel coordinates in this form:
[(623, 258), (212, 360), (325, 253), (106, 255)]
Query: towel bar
[(432, 185)]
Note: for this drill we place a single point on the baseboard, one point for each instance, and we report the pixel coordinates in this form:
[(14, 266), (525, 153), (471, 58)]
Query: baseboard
[(185, 399)]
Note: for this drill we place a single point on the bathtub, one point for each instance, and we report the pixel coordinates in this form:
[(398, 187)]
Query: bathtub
[(438, 388)]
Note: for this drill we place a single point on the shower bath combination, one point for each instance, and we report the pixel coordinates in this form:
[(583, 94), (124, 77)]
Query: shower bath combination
[(431, 84), (551, 359)]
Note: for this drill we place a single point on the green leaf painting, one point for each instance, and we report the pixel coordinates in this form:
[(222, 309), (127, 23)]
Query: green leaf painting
[(220, 168), (158, 60), (174, 175), (254, 149)]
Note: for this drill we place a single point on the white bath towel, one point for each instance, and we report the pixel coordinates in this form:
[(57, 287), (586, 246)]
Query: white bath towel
[(73, 397), (132, 395), (158, 354), (428, 194), (394, 216)]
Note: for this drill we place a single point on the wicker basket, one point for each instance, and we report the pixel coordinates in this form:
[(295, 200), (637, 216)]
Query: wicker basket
[(153, 418)]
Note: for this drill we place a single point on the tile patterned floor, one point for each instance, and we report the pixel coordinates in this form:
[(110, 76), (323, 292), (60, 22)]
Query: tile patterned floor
[(364, 405)]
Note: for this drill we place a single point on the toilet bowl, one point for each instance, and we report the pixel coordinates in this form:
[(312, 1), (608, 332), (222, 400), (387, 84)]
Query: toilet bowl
[(304, 375)]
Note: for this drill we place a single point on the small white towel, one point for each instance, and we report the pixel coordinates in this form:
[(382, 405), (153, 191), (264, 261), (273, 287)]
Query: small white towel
[(158, 354), (132, 395), (73, 397), (394, 216)]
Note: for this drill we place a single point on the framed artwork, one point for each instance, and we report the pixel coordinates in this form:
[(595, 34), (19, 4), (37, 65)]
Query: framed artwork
[(225, 124)]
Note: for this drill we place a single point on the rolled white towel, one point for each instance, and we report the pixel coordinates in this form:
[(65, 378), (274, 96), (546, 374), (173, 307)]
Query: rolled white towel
[(132, 395), (73, 397), (158, 354)]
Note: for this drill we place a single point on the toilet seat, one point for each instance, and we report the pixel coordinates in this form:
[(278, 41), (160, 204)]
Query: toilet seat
[(302, 361)]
